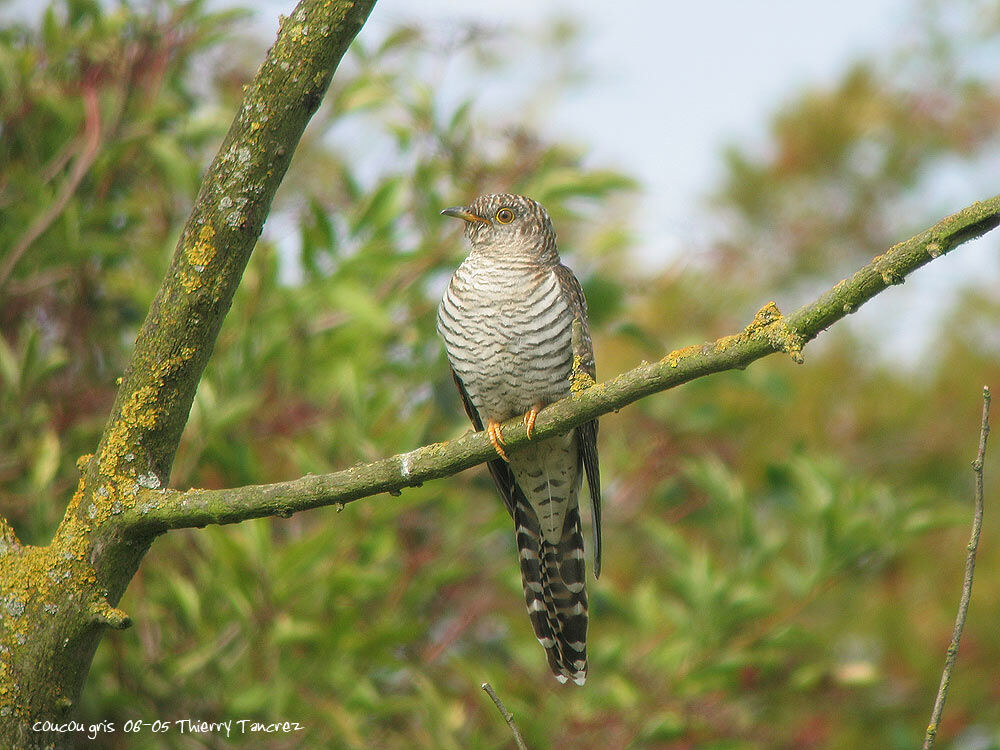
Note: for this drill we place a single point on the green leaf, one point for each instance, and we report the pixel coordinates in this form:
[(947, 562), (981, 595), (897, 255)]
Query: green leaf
[(10, 369), (382, 207), (46, 459), (403, 36), (560, 184)]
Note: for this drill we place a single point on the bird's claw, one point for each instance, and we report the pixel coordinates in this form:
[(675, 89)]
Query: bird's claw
[(496, 438), (529, 419)]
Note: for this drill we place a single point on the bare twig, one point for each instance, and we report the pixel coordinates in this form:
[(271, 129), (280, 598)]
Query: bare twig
[(970, 566), (507, 715)]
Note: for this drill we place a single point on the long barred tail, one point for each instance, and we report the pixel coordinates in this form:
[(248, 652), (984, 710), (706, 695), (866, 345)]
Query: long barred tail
[(554, 589)]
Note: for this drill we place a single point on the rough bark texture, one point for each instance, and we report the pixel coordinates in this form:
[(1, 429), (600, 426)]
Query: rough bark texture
[(56, 601)]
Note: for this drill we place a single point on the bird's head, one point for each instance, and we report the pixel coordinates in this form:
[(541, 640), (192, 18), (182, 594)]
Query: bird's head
[(507, 224)]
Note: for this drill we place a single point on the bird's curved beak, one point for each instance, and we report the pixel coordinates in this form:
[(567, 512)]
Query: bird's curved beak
[(461, 212)]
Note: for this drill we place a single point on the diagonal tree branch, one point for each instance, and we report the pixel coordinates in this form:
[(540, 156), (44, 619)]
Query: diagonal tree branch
[(83, 572), (768, 333), (179, 333)]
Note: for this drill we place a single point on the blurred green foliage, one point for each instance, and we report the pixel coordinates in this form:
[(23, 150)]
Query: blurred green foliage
[(784, 545)]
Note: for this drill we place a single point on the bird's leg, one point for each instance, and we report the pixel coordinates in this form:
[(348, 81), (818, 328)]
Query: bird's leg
[(529, 418), (496, 438)]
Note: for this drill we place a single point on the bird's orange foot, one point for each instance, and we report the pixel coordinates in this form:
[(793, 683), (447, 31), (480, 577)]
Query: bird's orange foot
[(529, 418), (496, 438)]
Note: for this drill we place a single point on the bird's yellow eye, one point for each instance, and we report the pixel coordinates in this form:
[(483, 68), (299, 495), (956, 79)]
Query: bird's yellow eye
[(505, 216)]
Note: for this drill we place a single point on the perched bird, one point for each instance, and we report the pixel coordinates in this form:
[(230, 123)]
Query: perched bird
[(508, 320)]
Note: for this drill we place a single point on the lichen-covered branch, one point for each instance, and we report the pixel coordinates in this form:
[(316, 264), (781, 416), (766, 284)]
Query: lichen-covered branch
[(768, 333), (179, 333), (57, 600)]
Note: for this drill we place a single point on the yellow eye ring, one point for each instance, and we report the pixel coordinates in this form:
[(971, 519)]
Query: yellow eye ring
[(505, 216)]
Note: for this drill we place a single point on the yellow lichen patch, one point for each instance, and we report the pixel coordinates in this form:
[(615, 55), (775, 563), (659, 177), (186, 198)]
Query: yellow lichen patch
[(41, 589), (75, 545), (678, 354), (189, 280), (74, 502), (172, 365), (198, 255), (580, 380), (138, 412), (104, 614), (770, 321), (727, 341), (787, 341), (140, 409), (8, 538), (765, 316)]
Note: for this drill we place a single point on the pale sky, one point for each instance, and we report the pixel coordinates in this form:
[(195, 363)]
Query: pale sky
[(673, 81)]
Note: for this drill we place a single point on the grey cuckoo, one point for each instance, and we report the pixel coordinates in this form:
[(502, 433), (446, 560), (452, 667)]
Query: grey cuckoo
[(507, 320)]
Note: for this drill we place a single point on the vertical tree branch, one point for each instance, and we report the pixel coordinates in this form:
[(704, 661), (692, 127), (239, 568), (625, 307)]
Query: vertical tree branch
[(970, 567)]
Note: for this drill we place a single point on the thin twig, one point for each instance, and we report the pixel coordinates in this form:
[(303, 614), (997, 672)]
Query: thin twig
[(507, 715), (970, 566)]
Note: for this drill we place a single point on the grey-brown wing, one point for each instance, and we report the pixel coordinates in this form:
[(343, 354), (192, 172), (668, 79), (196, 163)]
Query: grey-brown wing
[(583, 353), (573, 294), (499, 469)]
